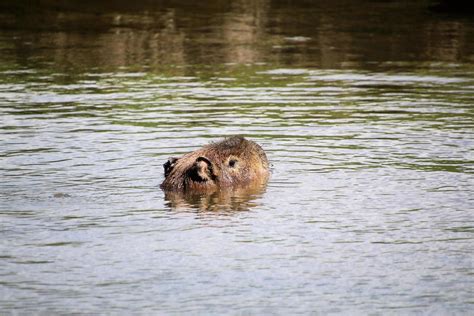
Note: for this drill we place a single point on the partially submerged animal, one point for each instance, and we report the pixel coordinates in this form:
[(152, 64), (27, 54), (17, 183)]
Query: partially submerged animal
[(231, 163)]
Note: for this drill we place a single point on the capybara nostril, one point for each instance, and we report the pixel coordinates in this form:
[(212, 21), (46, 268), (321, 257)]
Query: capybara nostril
[(168, 166)]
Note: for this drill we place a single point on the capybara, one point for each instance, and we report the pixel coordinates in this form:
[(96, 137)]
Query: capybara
[(230, 163)]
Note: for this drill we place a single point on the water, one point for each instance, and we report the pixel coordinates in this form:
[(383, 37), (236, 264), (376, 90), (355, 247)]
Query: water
[(368, 126)]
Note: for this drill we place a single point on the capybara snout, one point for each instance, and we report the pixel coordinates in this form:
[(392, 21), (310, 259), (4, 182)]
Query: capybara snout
[(232, 162)]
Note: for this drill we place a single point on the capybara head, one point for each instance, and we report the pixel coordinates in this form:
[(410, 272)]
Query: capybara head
[(233, 162)]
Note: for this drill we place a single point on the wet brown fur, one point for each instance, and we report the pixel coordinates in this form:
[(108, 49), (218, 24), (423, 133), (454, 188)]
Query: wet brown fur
[(232, 162)]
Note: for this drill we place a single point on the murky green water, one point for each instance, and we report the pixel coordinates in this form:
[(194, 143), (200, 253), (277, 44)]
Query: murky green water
[(366, 114)]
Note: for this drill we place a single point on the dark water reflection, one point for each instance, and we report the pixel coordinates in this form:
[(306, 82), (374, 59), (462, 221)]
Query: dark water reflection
[(241, 199), (364, 109), (156, 34)]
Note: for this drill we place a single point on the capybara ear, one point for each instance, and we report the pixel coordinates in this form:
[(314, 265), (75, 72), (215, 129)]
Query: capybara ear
[(204, 169), (168, 166), (207, 161)]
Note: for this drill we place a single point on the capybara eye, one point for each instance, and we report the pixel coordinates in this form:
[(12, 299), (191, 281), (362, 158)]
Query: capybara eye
[(232, 163)]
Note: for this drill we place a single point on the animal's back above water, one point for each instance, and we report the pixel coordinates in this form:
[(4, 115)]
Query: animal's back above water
[(233, 162)]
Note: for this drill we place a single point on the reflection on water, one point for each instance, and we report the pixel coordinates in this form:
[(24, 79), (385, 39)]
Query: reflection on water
[(156, 34), (365, 112), (240, 199)]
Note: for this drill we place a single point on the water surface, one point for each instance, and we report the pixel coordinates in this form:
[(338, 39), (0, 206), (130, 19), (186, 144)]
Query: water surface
[(365, 112)]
